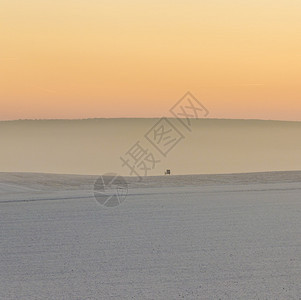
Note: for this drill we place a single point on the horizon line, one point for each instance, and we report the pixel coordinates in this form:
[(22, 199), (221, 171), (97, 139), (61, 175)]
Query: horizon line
[(145, 118)]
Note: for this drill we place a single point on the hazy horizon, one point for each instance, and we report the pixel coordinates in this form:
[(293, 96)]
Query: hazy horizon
[(168, 117), (95, 146)]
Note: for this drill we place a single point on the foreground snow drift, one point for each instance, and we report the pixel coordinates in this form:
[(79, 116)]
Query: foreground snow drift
[(191, 237)]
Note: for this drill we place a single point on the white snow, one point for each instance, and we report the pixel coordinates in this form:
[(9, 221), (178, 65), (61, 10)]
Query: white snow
[(174, 237)]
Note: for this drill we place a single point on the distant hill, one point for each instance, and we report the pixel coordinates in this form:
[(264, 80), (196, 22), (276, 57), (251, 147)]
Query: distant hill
[(94, 146)]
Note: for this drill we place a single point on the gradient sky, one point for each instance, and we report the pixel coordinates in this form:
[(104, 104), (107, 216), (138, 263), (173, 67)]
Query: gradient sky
[(95, 58)]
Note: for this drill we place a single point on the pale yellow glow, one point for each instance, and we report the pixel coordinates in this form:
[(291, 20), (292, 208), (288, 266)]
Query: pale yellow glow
[(78, 59)]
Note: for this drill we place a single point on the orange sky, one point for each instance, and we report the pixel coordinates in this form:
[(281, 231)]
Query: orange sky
[(95, 58)]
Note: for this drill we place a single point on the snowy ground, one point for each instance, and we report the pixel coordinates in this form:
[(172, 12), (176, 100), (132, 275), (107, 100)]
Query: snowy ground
[(178, 237)]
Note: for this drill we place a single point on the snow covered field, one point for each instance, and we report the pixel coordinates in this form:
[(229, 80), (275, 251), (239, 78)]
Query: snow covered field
[(174, 237)]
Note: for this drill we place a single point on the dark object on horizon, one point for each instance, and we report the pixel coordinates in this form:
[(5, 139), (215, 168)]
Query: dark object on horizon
[(167, 172)]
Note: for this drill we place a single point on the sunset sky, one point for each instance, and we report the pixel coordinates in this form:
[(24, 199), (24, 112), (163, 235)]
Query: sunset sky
[(104, 58)]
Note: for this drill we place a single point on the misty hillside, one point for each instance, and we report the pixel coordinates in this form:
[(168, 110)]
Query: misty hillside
[(95, 146)]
